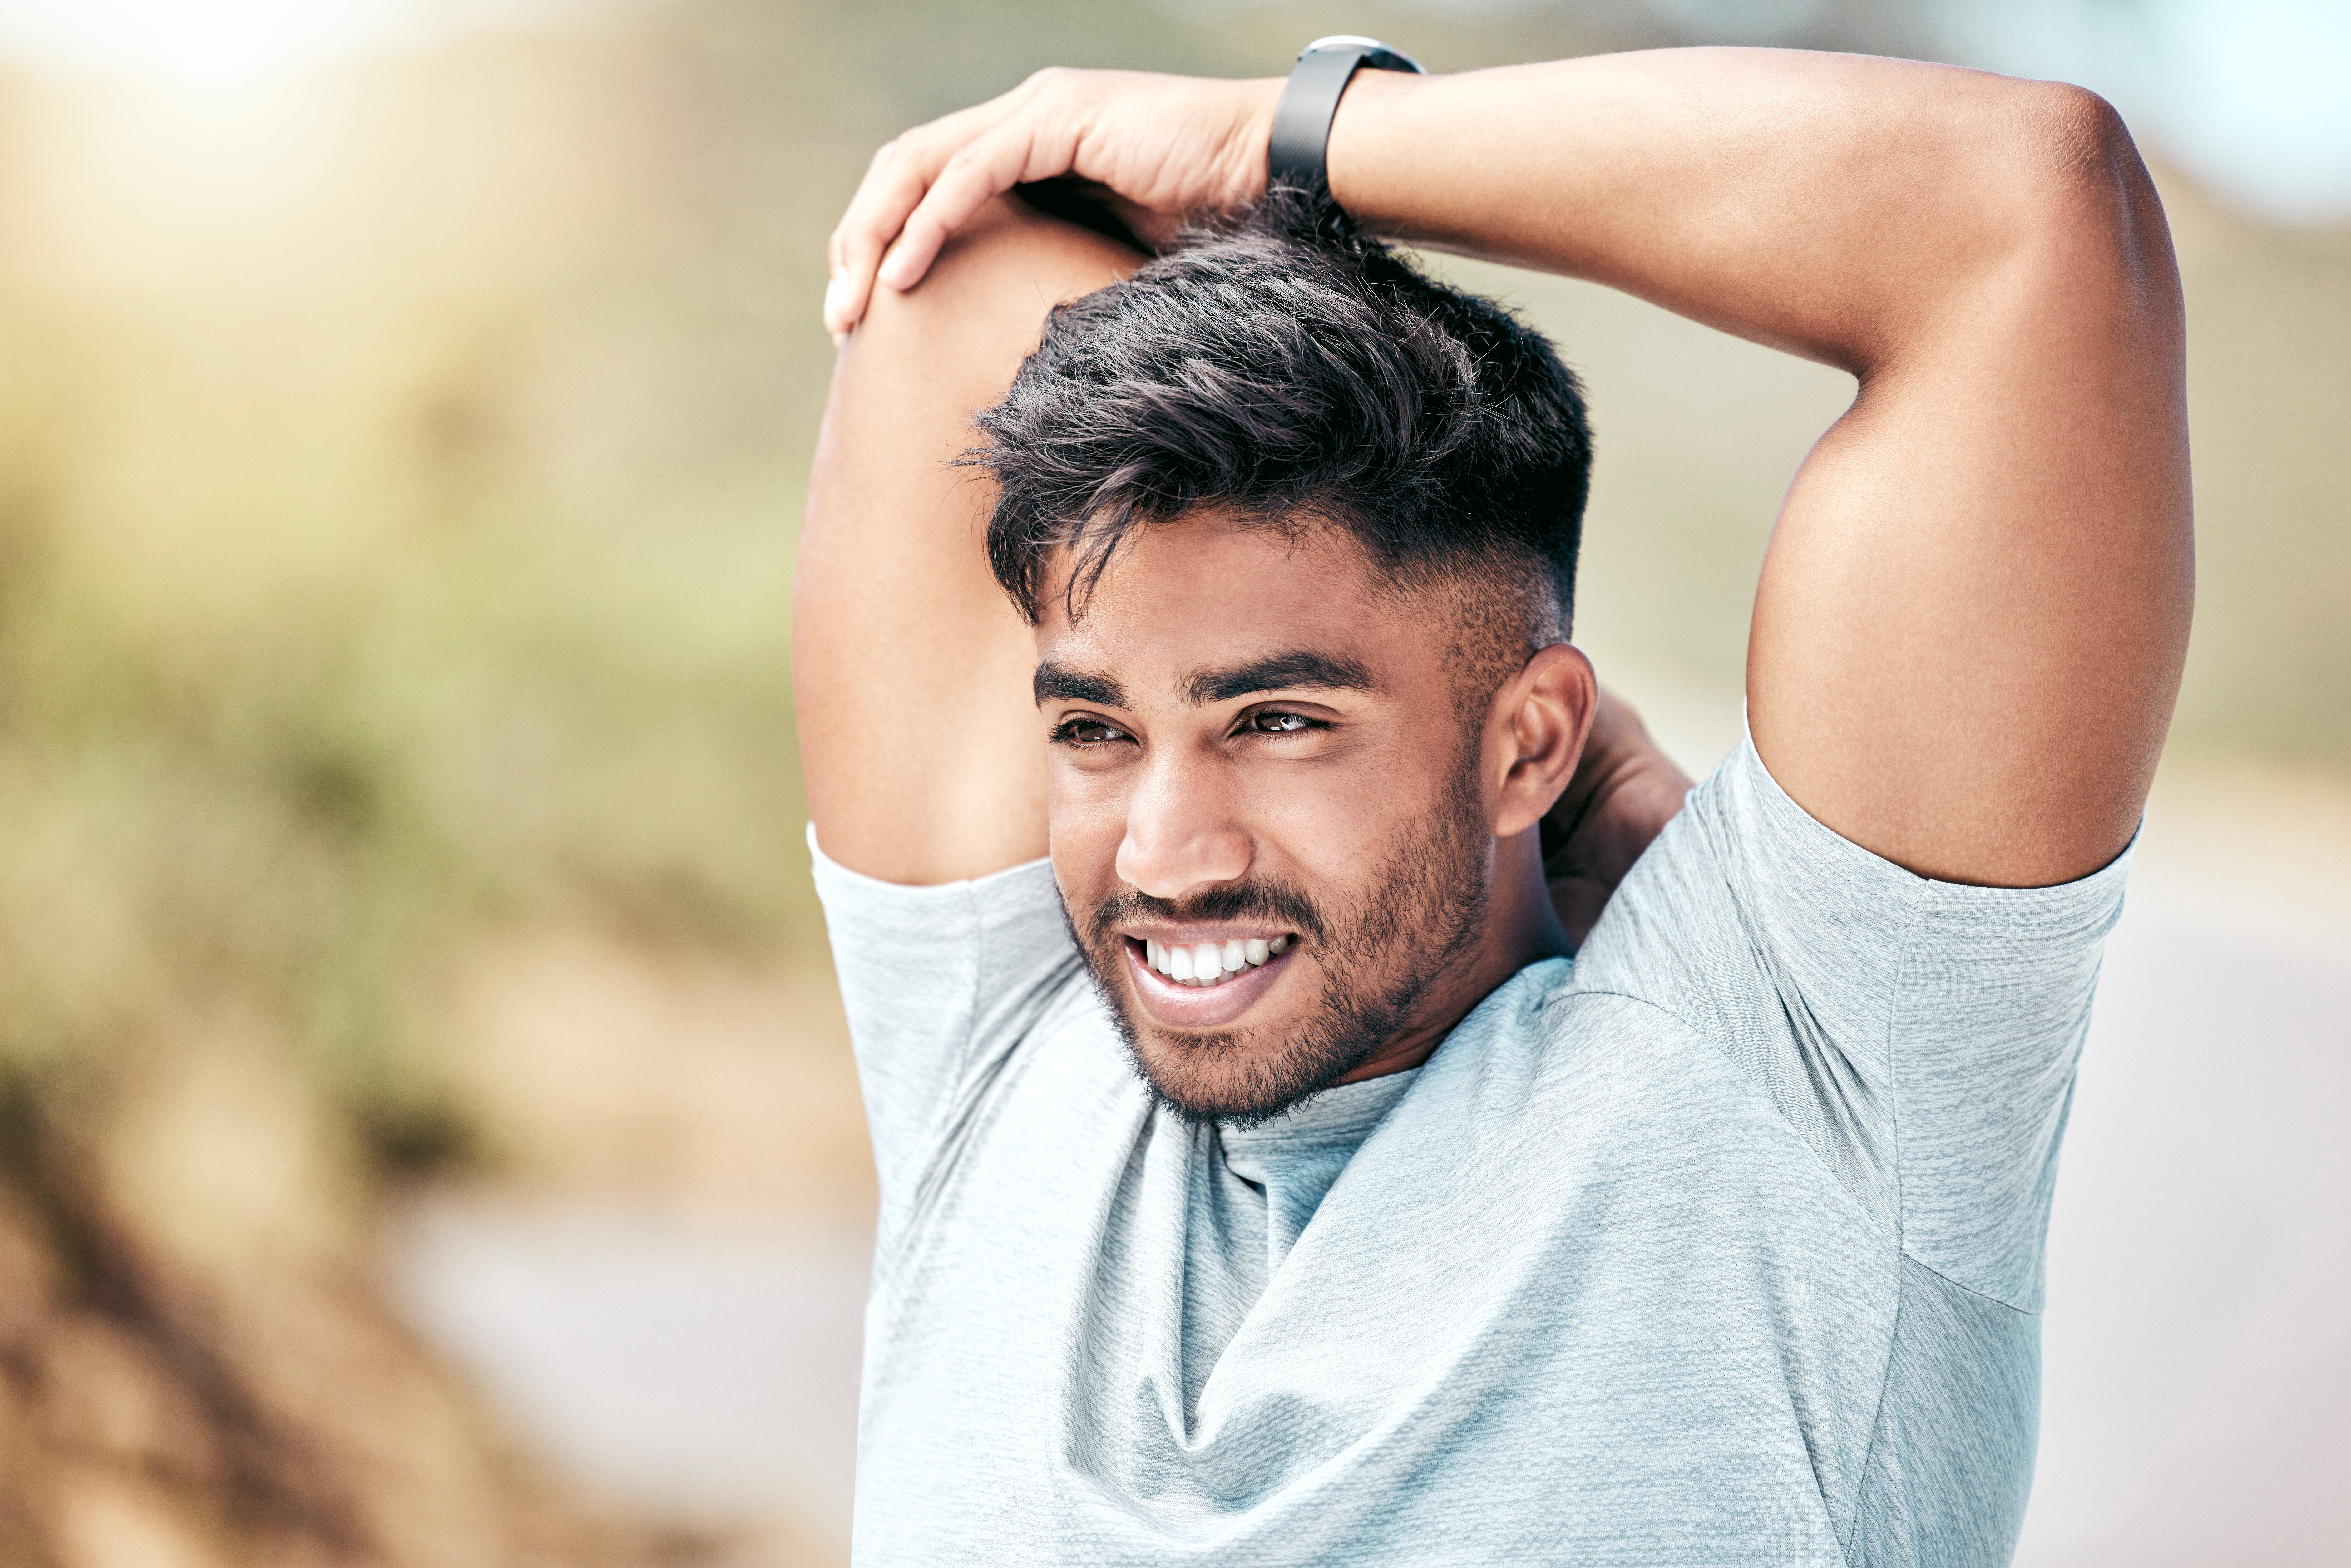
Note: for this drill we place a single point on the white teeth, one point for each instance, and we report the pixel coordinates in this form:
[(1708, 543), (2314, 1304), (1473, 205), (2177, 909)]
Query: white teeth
[(1210, 962)]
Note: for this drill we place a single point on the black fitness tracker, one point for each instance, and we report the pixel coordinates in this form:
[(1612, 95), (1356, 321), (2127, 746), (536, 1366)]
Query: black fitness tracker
[(1301, 120)]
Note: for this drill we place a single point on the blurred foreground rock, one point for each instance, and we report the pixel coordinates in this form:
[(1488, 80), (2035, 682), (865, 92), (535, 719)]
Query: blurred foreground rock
[(196, 1366)]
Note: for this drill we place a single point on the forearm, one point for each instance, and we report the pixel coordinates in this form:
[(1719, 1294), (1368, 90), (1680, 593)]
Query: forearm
[(1821, 203)]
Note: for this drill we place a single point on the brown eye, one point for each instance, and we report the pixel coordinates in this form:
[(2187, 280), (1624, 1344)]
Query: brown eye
[(1087, 732), (1275, 722)]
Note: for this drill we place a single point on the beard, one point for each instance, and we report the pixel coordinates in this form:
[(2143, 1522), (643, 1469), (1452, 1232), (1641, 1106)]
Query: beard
[(1380, 952)]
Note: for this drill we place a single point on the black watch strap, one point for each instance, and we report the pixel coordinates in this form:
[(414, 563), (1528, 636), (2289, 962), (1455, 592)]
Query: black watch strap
[(1301, 120)]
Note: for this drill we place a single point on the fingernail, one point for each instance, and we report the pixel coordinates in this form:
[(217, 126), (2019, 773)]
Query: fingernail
[(836, 295)]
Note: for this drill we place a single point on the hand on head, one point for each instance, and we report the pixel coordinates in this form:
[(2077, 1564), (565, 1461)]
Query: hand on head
[(1160, 148), (1625, 791)]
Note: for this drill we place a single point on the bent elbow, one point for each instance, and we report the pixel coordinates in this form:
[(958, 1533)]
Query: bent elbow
[(2084, 129), (2091, 156), (2087, 204)]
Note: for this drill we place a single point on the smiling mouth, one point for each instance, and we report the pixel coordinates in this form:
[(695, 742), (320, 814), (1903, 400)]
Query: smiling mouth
[(1207, 965)]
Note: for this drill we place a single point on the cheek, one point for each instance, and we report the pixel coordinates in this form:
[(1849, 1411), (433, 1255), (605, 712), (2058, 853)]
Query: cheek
[(1085, 820), (1338, 822)]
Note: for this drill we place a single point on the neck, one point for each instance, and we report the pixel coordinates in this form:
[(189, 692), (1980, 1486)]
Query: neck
[(1522, 928)]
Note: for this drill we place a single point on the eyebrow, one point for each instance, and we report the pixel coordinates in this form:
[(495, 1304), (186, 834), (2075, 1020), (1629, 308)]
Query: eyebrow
[(1297, 669), (1057, 683)]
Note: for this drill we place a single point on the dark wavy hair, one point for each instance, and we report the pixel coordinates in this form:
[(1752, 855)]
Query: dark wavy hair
[(1293, 369)]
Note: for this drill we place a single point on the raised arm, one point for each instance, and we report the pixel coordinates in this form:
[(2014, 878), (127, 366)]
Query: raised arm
[(1969, 630), (919, 740)]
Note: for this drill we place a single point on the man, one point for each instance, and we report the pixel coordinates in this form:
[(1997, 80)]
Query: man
[(1260, 1180)]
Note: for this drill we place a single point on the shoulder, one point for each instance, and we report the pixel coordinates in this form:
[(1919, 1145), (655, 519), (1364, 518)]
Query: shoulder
[(1549, 1041)]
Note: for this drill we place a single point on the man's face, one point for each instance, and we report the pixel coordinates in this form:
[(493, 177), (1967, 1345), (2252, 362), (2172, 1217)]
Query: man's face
[(1268, 821)]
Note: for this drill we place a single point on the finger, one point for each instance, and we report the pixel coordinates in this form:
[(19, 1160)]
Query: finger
[(975, 174), (894, 185), (891, 189), (1153, 230)]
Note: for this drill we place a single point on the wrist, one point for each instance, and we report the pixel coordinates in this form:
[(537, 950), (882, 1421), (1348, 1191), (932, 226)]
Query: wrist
[(1370, 117), (1251, 108)]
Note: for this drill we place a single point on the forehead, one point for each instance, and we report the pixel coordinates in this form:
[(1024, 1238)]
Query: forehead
[(1211, 590)]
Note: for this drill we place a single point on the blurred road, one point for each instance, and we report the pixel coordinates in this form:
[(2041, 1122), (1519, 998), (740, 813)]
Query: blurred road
[(2197, 1344), (704, 1370)]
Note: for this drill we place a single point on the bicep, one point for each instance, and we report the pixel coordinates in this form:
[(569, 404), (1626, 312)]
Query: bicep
[(1974, 610), (918, 737)]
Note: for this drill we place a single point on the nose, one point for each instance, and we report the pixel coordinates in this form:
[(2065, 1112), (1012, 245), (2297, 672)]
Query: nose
[(1184, 831)]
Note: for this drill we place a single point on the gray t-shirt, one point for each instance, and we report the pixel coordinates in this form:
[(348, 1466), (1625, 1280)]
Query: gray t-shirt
[(1721, 1245)]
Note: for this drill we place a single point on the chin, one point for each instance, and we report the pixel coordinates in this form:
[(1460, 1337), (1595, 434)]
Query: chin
[(1241, 1077)]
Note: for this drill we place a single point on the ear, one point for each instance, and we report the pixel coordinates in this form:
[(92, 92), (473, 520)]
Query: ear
[(1540, 716)]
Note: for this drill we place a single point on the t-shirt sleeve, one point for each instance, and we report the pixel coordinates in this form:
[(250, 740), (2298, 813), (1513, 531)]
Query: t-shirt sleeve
[(941, 983), (1921, 1035)]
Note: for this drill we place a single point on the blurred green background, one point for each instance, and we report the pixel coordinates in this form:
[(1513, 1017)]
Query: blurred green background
[(399, 471), (400, 462)]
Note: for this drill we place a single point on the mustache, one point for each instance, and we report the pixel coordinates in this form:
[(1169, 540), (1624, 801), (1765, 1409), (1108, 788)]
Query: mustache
[(1269, 902)]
